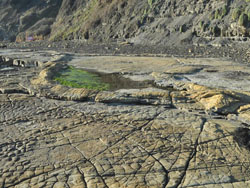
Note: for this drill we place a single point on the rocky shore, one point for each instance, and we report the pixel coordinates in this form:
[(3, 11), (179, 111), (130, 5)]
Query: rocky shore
[(189, 129), (236, 51)]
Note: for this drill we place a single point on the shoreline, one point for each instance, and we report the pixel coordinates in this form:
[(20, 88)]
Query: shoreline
[(55, 136), (238, 52)]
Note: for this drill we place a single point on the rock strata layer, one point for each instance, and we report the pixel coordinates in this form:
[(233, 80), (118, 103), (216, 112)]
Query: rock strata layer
[(183, 134)]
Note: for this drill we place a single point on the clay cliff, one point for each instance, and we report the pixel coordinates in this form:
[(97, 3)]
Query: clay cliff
[(145, 21)]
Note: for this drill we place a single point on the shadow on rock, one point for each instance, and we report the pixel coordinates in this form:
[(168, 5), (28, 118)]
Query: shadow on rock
[(242, 137)]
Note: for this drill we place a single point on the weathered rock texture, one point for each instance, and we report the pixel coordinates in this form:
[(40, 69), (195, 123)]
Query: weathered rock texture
[(155, 22), (143, 22), (27, 19), (190, 135)]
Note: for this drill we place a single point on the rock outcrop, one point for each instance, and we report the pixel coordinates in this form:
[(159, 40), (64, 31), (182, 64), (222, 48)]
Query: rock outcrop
[(27, 19), (170, 22), (189, 135)]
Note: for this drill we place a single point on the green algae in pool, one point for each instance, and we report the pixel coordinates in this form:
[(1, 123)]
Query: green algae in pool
[(78, 78)]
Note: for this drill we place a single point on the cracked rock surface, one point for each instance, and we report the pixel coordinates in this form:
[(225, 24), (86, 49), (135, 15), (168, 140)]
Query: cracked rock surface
[(192, 135)]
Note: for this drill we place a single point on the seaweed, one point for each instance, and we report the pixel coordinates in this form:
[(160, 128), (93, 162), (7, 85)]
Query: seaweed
[(78, 78)]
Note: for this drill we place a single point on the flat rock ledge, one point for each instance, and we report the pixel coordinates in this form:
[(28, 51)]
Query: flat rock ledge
[(43, 85), (53, 136), (188, 96)]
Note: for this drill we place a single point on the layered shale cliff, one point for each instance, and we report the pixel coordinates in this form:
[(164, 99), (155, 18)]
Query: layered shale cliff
[(20, 19), (145, 21)]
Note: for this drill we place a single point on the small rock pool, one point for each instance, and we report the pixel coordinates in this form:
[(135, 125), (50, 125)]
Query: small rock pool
[(79, 78)]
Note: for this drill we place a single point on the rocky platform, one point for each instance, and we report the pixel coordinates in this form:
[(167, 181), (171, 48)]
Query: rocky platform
[(191, 129)]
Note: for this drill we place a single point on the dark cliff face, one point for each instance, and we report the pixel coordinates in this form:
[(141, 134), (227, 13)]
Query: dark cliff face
[(155, 21), (67, 10), (69, 6), (22, 18), (145, 21)]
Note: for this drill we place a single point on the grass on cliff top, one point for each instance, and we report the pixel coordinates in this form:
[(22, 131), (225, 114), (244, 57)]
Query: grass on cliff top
[(78, 78)]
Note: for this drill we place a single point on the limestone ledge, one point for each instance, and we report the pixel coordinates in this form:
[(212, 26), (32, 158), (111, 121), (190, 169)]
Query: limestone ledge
[(99, 143), (43, 85), (183, 95)]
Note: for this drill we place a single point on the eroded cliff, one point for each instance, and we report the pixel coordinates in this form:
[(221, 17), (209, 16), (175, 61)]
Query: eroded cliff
[(144, 22)]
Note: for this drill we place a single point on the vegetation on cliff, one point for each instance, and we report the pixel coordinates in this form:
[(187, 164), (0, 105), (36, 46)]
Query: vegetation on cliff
[(145, 21)]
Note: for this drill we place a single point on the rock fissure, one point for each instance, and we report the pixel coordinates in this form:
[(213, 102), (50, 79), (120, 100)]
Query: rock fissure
[(89, 160), (139, 138), (121, 139), (191, 156), (24, 179), (165, 183), (83, 177)]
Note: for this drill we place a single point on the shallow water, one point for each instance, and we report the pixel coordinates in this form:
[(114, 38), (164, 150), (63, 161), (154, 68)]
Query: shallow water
[(81, 78), (117, 81), (6, 68)]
